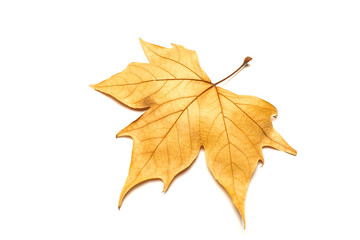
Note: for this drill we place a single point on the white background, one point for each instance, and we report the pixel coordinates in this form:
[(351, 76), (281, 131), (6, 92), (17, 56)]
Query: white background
[(62, 170)]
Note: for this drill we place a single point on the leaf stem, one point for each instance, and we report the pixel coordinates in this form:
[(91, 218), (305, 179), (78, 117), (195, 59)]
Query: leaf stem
[(246, 60)]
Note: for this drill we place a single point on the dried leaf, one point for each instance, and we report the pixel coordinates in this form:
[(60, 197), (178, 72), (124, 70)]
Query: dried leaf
[(187, 111)]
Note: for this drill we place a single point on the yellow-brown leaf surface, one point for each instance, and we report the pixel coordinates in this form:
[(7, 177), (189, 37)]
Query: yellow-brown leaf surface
[(187, 111)]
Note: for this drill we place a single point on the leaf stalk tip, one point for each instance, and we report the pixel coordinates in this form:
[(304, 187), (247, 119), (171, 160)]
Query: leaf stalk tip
[(246, 61)]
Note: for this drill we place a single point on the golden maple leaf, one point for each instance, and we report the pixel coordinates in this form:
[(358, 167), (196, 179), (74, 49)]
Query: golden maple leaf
[(187, 111)]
